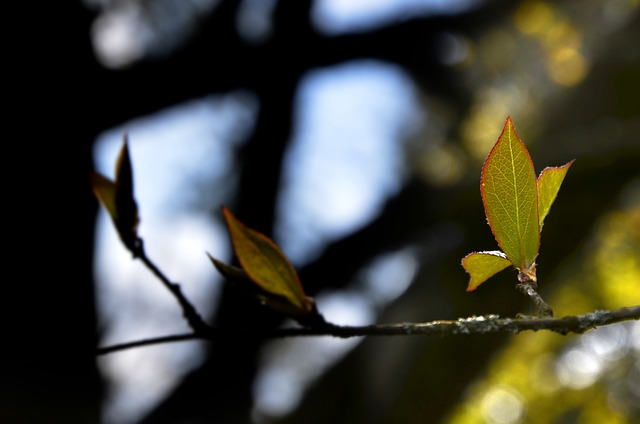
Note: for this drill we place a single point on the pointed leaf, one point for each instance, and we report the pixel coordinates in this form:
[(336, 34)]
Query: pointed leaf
[(267, 266), (117, 197), (483, 265), (105, 190), (549, 183), (232, 273), (241, 280), (509, 195), (126, 205)]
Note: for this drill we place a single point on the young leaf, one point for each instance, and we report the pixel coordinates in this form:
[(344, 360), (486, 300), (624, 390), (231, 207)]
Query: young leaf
[(232, 273), (117, 197), (509, 194), (105, 190), (267, 266), (483, 265), (516, 204), (549, 183), (241, 280)]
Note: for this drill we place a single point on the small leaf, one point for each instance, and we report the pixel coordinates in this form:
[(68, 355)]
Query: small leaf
[(105, 190), (125, 202), (117, 197), (268, 267), (232, 273), (483, 265), (509, 194), (549, 183), (241, 280), (516, 204)]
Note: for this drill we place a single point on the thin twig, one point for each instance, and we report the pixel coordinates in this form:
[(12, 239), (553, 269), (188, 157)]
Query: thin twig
[(189, 312), (473, 325), (544, 310), (150, 342)]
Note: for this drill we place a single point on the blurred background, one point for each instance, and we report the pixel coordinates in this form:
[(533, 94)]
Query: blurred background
[(352, 132)]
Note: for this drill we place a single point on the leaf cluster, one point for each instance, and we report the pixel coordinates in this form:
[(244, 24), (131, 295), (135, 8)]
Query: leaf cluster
[(516, 204)]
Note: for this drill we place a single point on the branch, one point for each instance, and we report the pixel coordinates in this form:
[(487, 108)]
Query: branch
[(474, 325)]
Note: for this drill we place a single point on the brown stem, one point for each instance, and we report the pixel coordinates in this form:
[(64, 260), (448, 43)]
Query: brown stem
[(473, 325), (189, 312), (528, 288)]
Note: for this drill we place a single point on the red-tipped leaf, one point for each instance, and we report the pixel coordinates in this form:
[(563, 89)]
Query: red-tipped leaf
[(509, 194), (549, 183)]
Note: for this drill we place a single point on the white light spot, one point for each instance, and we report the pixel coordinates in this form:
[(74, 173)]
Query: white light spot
[(117, 37), (503, 405), (607, 343), (578, 369)]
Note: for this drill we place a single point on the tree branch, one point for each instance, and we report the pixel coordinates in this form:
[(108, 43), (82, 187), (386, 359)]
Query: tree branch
[(474, 325)]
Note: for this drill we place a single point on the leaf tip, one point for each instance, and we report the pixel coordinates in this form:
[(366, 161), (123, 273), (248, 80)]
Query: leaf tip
[(229, 217)]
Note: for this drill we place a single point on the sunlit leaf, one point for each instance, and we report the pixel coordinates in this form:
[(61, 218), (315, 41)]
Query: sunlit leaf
[(239, 279), (267, 266), (117, 197), (483, 265), (549, 183), (509, 194), (516, 204)]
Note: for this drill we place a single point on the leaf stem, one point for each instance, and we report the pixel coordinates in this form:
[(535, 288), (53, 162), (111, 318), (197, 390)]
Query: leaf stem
[(473, 325), (528, 287)]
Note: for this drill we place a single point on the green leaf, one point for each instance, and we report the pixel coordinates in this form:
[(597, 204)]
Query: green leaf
[(117, 197), (549, 183), (483, 265), (238, 278), (268, 267), (516, 204), (509, 194)]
